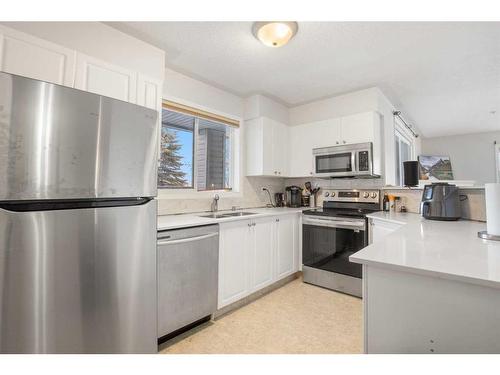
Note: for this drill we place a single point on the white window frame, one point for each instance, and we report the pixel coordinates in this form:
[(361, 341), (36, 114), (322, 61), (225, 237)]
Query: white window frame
[(497, 160), (401, 133), (193, 193)]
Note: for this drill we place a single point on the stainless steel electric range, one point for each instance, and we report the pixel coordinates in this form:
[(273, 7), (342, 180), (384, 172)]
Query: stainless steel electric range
[(332, 233)]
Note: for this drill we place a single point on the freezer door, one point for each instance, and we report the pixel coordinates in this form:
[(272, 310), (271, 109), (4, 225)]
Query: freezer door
[(78, 281), (60, 143)]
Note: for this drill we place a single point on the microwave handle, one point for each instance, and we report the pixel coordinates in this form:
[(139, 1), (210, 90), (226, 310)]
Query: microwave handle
[(354, 161)]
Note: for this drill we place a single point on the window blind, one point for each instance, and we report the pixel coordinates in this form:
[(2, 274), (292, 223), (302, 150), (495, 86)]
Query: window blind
[(172, 106)]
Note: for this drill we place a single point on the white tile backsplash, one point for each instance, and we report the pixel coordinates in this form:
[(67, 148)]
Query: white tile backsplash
[(252, 196), (474, 208)]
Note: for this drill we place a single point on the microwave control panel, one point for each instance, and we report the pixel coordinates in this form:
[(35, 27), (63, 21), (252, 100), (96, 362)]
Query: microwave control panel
[(363, 163)]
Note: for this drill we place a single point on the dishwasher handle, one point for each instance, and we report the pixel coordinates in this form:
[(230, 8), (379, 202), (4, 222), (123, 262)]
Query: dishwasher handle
[(189, 239)]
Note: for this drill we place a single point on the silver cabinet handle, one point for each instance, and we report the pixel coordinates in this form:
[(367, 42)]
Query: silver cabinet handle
[(277, 220), (253, 224), (190, 239)]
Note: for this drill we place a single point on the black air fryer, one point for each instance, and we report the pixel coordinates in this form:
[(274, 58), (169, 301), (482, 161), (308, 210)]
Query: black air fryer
[(293, 196)]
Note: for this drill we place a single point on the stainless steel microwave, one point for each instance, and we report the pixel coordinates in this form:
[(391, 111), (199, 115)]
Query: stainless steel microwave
[(354, 160)]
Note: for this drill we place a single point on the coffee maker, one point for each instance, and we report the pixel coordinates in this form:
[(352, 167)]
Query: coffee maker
[(293, 195), (279, 199)]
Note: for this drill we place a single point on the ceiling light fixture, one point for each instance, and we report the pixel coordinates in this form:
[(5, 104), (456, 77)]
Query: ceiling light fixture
[(274, 33)]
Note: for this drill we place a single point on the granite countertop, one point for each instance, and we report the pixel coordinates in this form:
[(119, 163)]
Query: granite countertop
[(445, 249), (166, 222)]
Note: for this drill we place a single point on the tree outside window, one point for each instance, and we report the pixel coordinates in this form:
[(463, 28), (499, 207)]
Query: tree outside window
[(195, 153)]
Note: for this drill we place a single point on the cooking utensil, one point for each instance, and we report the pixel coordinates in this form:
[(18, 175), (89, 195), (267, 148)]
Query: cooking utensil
[(308, 186)]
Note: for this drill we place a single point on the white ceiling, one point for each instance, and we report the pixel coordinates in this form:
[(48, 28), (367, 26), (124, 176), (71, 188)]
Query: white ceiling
[(445, 77)]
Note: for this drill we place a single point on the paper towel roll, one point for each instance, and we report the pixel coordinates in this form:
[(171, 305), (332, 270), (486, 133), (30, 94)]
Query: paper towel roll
[(492, 197)]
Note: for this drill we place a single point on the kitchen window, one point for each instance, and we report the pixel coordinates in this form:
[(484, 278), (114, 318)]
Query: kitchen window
[(197, 150), (404, 149)]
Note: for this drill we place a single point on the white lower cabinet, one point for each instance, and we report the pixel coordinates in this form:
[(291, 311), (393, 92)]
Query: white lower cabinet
[(261, 253), (234, 257), (381, 228), (255, 253), (286, 245)]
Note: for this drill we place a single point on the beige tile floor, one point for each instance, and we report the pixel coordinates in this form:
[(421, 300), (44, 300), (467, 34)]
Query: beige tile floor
[(296, 318)]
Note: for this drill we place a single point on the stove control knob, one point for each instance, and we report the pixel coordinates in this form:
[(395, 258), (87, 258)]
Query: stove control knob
[(374, 195), (366, 194), (327, 194), (332, 194)]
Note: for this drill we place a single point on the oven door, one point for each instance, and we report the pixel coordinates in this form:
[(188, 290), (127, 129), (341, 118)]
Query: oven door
[(328, 243), (328, 163)]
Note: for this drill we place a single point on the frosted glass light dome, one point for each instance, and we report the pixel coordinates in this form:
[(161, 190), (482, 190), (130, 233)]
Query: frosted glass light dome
[(274, 33)]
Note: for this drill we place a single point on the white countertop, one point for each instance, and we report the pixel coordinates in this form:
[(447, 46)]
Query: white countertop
[(166, 222), (446, 249)]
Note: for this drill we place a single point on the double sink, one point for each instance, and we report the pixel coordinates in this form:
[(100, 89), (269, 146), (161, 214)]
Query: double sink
[(229, 214)]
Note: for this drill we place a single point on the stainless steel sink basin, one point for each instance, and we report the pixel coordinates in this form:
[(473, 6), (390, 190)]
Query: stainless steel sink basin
[(229, 214), (214, 216), (239, 214)]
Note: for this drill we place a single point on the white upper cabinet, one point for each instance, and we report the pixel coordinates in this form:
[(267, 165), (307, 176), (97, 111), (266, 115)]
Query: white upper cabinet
[(359, 128), (149, 92), (266, 147), (106, 79), (279, 148), (28, 56), (25, 55)]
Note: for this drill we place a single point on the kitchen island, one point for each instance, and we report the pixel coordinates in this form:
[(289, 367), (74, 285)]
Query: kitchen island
[(430, 287)]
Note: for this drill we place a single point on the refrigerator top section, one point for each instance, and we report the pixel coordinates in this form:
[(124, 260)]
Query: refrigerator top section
[(61, 143)]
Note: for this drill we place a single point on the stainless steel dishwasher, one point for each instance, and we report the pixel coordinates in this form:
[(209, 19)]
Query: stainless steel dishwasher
[(187, 277)]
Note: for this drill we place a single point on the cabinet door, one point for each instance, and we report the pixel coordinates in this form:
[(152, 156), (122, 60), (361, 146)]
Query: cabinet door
[(358, 128), (286, 245), (279, 147), (325, 133), (31, 57), (304, 138), (300, 152), (268, 154), (106, 79), (149, 95), (380, 229), (149, 92), (234, 257), (262, 254)]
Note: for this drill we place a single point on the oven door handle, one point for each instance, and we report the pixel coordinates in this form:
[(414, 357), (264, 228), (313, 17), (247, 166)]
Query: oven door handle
[(335, 223)]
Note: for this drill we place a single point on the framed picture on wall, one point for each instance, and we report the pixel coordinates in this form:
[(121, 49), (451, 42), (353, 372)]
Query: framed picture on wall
[(435, 167)]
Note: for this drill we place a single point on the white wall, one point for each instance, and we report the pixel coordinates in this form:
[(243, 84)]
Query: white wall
[(472, 155), (262, 106), (100, 41), (336, 106), (186, 90)]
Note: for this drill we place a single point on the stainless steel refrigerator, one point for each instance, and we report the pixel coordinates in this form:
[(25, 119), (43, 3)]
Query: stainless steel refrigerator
[(77, 221)]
